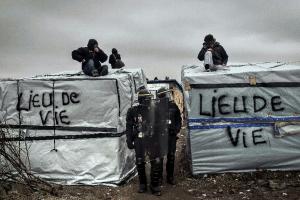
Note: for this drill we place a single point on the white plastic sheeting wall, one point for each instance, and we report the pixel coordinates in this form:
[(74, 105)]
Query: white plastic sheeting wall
[(73, 125), (234, 117)]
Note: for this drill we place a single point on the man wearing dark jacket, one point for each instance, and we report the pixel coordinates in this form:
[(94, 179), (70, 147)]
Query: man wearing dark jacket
[(213, 54), (91, 58), (173, 129), (115, 59)]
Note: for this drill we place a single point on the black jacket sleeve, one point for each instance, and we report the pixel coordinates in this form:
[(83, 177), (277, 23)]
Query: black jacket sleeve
[(224, 55), (78, 54), (129, 128), (175, 118), (112, 59), (202, 53), (101, 56)]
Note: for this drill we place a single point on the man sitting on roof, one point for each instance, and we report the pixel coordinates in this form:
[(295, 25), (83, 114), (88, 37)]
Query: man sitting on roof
[(91, 58), (213, 54)]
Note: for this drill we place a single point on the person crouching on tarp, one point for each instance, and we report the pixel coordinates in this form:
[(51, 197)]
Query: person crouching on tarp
[(213, 54), (139, 125), (91, 58), (115, 59)]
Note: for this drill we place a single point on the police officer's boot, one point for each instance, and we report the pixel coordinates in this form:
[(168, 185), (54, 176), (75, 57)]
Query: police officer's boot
[(170, 168), (155, 177), (142, 177), (161, 171)]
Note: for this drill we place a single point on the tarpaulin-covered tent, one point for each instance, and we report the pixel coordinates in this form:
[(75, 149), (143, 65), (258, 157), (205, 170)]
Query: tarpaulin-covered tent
[(243, 118), (73, 125)]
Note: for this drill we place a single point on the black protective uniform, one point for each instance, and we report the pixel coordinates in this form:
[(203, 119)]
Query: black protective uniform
[(138, 122), (88, 54), (174, 129)]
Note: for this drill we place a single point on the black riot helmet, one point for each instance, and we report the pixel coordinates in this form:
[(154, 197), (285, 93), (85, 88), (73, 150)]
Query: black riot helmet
[(162, 92), (144, 97)]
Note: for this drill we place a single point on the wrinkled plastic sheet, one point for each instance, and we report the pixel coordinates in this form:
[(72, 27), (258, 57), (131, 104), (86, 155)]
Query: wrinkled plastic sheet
[(253, 100), (249, 92), (218, 148), (241, 72), (82, 161), (73, 125), (245, 103)]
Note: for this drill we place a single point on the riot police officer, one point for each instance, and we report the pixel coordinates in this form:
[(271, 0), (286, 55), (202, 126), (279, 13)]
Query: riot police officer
[(139, 126), (173, 129)]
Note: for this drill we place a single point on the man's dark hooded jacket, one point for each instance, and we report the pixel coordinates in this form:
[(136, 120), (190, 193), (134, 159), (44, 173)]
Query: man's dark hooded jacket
[(114, 57), (86, 53), (219, 54)]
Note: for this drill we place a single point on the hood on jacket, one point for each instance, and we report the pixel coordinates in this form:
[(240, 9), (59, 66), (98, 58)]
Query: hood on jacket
[(91, 44)]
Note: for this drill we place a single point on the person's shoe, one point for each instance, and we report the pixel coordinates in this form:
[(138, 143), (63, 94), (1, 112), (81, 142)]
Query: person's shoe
[(142, 188), (95, 73), (171, 181), (155, 190), (206, 66)]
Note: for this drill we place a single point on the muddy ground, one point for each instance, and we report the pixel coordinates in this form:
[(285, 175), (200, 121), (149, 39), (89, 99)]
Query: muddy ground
[(257, 185)]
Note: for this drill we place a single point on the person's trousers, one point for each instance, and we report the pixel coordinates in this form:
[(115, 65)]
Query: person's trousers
[(89, 68), (155, 170), (140, 160), (170, 157), (209, 63)]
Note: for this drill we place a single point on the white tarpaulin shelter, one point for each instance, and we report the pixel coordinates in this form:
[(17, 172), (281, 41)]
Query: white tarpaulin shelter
[(243, 118), (74, 125)]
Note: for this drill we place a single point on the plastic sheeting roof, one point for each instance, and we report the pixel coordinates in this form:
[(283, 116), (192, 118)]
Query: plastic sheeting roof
[(239, 73)]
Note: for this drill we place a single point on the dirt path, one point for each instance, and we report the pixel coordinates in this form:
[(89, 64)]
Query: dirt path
[(258, 185)]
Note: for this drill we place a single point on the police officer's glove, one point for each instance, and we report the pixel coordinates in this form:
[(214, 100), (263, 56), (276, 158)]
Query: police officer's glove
[(130, 145)]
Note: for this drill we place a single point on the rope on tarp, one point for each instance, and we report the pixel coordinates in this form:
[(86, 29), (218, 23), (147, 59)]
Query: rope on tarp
[(222, 126), (53, 118), (244, 119)]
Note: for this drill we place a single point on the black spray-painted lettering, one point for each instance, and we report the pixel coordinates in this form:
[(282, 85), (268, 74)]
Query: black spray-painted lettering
[(222, 105), (276, 101), (69, 98), (235, 105), (201, 108), (244, 140), (36, 101), (225, 105), (256, 138), (45, 103), (47, 97), (44, 117), (237, 136), (63, 117), (257, 99)]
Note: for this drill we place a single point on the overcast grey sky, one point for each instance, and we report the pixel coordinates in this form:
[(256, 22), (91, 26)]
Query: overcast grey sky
[(159, 36)]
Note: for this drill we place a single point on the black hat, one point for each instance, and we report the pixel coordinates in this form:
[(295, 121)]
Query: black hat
[(114, 50), (209, 38), (91, 44)]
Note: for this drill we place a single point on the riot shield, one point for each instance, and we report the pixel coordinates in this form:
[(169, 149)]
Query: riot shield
[(156, 141)]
